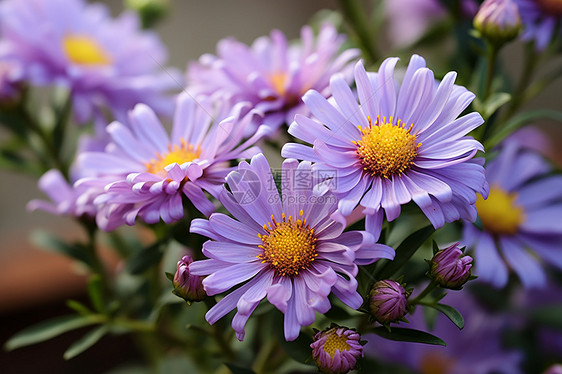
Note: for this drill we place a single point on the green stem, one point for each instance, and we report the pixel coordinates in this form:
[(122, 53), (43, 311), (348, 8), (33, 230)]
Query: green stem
[(492, 56), (430, 287), (358, 22), (217, 332)]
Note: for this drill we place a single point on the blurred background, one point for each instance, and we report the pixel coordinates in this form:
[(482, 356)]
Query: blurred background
[(34, 283)]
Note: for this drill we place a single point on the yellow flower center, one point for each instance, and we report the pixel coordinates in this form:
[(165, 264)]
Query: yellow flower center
[(436, 363), (279, 82), (499, 213), (552, 7), (83, 50), (386, 149), (180, 154), (288, 246), (335, 342)]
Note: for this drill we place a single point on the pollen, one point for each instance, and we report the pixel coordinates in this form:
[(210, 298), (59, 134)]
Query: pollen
[(499, 213), (279, 82), (288, 246), (180, 154), (83, 50), (335, 342), (387, 149)]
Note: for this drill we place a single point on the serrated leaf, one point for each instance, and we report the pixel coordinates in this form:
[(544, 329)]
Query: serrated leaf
[(402, 334), (454, 315), (405, 251), (237, 369), (47, 330), (85, 342)]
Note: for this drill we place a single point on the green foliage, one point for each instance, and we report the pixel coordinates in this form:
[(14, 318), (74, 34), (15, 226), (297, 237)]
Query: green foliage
[(408, 335)]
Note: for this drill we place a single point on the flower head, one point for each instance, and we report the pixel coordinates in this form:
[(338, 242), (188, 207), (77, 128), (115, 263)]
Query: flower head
[(401, 143), (284, 247), (336, 350), (271, 74), (498, 21), (519, 219), (187, 286), (151, 171), (540, 19), (450, 268), (102, 61), (388, 301)]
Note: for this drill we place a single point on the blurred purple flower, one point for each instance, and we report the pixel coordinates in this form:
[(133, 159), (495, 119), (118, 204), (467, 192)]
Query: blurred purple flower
[(477, 349), (102, 61), (540, 19), (284, 247), (401, 143), (388, 301), (151, 171), (450, 268), (336, 350), (270, 74), (520, 219), (10, 79)]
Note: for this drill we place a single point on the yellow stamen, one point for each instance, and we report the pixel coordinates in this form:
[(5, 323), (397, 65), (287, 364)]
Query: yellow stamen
[(386, 149), (336, 342), (279, 82), (181, 154), (288, 246), (84, 50), (500, 214)]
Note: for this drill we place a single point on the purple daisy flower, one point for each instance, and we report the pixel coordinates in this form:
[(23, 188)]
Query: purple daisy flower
[(336, 350), (477, 349), (284, 247), (151, 171), (270, 74), (401, 143), (520, 219), (104, 62), (540, 19)]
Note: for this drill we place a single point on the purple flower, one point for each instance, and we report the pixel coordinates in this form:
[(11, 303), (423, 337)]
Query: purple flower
[(498, 20), (102, 61), (10, 80), (151, 171), (188, 286), (388, 301), (540, 19), (401, 143), (477, 349), (520, 219), (336, 349), (450, 268), (270, 74), (285, 248), (66, 199)]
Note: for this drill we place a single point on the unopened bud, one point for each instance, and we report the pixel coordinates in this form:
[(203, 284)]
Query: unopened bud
[(388, 301), (498, 21), (187, 286), (450, 268), (336, 349)]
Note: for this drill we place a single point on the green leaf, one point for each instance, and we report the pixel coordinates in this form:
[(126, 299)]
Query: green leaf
[(79, 307), (62, 115), (520, 121), (95, 290), (85, 342), (494, 102), (405, 251), (48, 241), (299, 349), (450, 312), (237, 369), (408, 335), (47, 330)]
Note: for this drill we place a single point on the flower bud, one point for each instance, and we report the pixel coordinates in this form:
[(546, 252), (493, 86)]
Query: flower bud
[(336, 349), (150, 11), (450, 268), (188, 287), (498, 21), (388, 301)]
